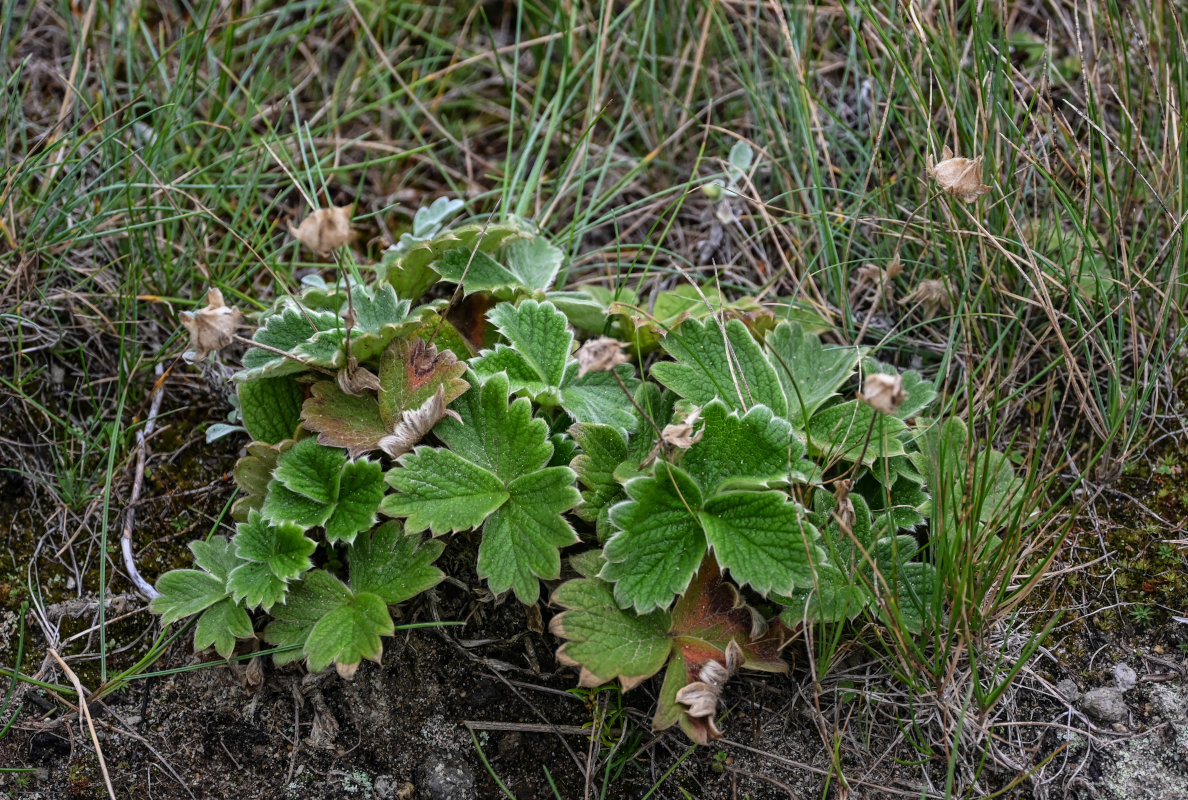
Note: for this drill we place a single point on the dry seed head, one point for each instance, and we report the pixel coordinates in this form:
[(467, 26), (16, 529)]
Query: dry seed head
[(883, 393), (600, 355), (680, 435), (846, 516), (211, 328), (932, 294), (957, 176), (325, 229)]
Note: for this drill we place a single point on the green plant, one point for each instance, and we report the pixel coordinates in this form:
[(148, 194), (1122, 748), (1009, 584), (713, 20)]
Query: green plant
[(734, 470), (1142, 615)]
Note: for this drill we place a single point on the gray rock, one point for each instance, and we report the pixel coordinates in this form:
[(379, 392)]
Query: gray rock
[(1125, 678), (1104, 704), (445, 778), (1068, 689)]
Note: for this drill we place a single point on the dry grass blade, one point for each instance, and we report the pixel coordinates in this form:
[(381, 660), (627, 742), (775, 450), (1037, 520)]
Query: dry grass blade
[(82, 703)]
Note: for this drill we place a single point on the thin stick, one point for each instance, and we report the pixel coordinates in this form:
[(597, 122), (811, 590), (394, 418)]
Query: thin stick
[(142, 586), (82, 703), (525, 727)]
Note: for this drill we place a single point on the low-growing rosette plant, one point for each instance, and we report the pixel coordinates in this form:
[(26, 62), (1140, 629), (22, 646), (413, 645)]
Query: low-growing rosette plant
[(740, 469)]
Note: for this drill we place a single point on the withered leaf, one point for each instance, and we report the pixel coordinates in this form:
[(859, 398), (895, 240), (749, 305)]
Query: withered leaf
[(211, 328), (325, 229), (677, 436), (357, 381), (415, 423), (701, 697)]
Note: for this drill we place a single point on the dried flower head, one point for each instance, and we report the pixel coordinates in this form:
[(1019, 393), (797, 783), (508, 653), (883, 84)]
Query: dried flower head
[(600, 355), (680, 435), (932, 294), (211, 328), (880, 277), (846, 516), (957, 176), (883, 393), (325, 229)]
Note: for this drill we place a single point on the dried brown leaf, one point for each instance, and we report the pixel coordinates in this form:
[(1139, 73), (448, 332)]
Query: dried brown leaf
[(415, 423), (357, 381)]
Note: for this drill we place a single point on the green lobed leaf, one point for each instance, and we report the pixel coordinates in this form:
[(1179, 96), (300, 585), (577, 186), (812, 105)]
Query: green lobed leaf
[(763, 539), (283, 549), (485, 238), (853, 429), (840, 586), (597, 397), (256, 585), (442, 491), (707, 365), (221, 625), (348, 634), (966, 485), (311, 470), (539, 344), (317, 485), (286, 330), (394, 565), (505, 440), (535, 262), (215, 555), (184, 592), (605, 641), (360, 491), (285, 506), (521, 539), (809, 371), (271, 407), (659, 542), (603, 448), (752, 450), (308, 601)]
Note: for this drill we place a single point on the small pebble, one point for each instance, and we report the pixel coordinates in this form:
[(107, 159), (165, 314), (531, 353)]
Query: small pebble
[(1104, 704), (1125, 678), (1068, 689)]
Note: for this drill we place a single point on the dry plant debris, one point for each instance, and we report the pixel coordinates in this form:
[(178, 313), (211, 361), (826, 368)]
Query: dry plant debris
[(884, 393), (211, 328), (325, 230), (958, 177), (600, 355)]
